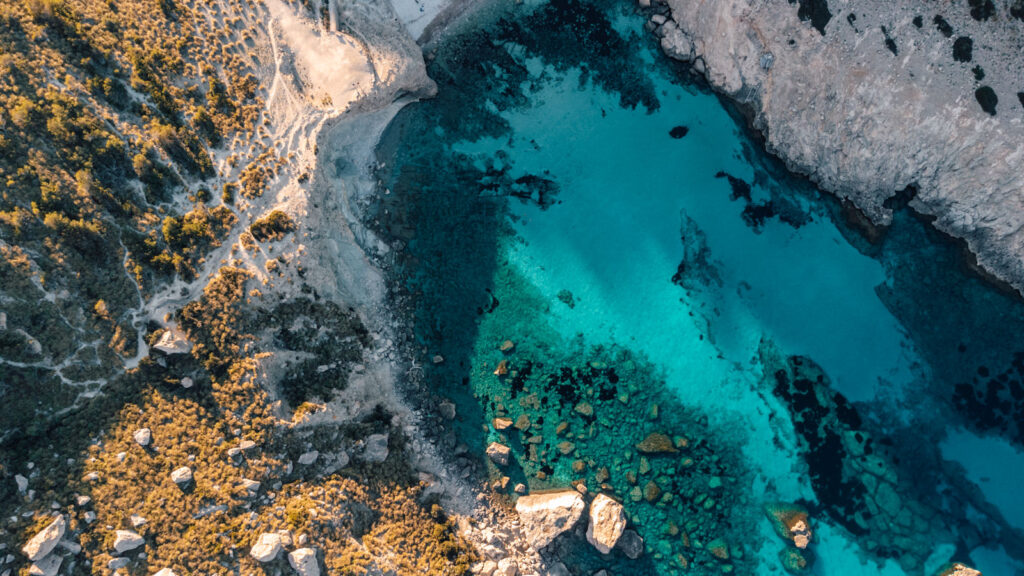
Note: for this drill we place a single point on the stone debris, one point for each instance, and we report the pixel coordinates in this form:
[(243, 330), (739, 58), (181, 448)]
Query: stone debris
[(545, 516), (502, 423), (507, 567), (125, 540), (44, 542), (251, 486), (499, 453), (48, 566), (267, 547), (304, 562), (309, 458), (376, 450), (21, 482), (118, 563), (656, 443), (182, 475), (607, 523), (447, 410), (142, 436)]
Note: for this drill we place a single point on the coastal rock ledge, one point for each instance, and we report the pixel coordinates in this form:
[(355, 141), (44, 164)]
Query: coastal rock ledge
[(871, 97)]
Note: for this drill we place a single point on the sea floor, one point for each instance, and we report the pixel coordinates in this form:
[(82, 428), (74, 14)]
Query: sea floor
[(599, 252)]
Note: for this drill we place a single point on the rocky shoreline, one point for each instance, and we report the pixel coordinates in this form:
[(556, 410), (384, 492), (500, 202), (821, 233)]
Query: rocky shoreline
[(877, 99)]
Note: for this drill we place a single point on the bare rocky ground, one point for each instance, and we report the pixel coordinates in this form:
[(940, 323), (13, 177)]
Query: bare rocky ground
[(871, 97)]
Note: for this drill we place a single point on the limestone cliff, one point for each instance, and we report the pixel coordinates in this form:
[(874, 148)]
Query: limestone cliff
[(869, 97)]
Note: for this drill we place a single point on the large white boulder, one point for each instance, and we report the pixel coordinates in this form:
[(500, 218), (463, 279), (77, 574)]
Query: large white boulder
[(173, 341), (545, 516), (125, 540), (607, 522), (165, 572), (42, 543), (143, 436), (48, 566), (182, 475), (267, 547), (303, 561)]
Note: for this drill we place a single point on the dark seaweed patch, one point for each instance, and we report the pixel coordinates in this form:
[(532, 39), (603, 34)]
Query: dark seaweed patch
[(987, 99), (918, 21), (979, 73), (962, 49), (740, 189), (755, 213), (1020, 96), (982, 9), (943, 26), (679, 132), (814, 11), (851, 18), (890, 43), (1017, 10)]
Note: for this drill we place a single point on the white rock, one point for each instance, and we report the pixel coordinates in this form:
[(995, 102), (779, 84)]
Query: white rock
[(89, 517), (48, 566), (267, 547), (507, 567), (304, 562), (545, 516), (286, 538), (607, 522), (165, 572), (376, 450), (72, 547), (125, 540), (22, 482), (251, 486), (83, 500), (187, 382), (182, 475), (42, 543), (118, 563), (173, 341), (136, 520), (309, 457), (143, 436)]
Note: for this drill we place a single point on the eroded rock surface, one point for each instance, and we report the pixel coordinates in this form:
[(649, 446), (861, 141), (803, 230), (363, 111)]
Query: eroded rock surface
[(607, 522), (869, 97), (545, 516)]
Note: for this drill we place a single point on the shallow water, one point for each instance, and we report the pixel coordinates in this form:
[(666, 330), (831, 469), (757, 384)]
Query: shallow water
[(543, 199)]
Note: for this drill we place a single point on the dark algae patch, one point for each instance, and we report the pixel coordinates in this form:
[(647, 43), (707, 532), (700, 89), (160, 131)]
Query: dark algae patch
[(679, 132), (962, 49), (943, 26), (814, 11)]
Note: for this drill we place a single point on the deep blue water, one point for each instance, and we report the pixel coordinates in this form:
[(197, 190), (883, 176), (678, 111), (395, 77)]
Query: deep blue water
[(568, 191)]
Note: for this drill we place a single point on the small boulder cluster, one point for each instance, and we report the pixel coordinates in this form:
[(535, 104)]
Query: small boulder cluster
[(269, 546)]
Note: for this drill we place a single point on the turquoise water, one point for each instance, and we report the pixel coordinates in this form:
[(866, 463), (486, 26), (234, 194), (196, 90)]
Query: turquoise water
[(543, 199)]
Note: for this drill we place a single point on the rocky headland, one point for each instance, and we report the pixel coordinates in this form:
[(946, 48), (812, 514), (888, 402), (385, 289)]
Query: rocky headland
[(878, 102)]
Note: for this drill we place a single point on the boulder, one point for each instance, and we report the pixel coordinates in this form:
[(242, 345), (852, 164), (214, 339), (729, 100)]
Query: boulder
[(790, 522), (182, 475), (309, 457), (21, 482), (499, 453), (116, 564), (165, 572), (125, 540), (507, 567), (43, 542), (656, 443), (48, 566), (958, 569), (304, 562), (447, 410), (545, 516), (173, 341), (267, 547), (376, 450), (607, 522), (251, 486), (631, 544), (143, 436)]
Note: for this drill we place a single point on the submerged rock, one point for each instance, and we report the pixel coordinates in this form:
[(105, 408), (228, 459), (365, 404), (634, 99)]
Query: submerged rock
[(48, 566), (545, 516), (631, 544), (267, 547), (793, 560), (790, 522), (607, 522), (43, 542), (304, 562), (656, 443)]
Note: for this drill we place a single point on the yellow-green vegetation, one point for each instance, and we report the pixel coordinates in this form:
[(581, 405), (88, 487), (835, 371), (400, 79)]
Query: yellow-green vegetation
[(273, 226)]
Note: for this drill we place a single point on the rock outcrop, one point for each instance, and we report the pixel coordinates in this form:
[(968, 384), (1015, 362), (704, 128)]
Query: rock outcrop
[(125, 540), (607, 522), (874, 99), (958, 569), (499, 453), (545, 516)]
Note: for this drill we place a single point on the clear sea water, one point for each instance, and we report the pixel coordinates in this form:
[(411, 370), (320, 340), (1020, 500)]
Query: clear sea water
[(570, 191)]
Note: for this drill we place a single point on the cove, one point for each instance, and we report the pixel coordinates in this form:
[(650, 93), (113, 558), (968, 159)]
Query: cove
[(650, 269)]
